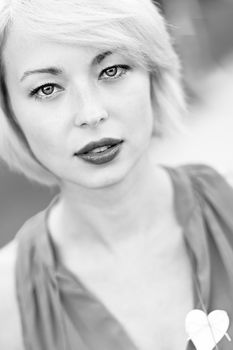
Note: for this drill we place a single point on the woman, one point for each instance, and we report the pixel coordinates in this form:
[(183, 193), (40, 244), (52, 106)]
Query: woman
[(127, 248)]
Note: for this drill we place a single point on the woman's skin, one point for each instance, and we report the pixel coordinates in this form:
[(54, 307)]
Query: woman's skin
[(114, 225)]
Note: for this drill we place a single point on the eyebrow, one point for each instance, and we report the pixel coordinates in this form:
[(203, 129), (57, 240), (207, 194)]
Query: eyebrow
[(57, 71), (49, 70), (99, 58)]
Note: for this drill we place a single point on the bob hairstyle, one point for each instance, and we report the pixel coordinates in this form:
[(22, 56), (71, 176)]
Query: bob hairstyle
[(134, 28)]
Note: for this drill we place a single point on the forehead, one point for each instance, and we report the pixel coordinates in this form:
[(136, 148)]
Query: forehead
[(26, 50), (20, 39), (25, 34)]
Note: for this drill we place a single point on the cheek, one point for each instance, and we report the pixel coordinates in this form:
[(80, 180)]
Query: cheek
[(136, 109), (42, 132), (45, 140)]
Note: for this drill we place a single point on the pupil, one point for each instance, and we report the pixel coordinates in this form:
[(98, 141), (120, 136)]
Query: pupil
[(112, 71), (47, 90)]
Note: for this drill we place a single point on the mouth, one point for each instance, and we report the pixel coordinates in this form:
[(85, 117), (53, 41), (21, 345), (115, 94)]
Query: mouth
[(100, 152)]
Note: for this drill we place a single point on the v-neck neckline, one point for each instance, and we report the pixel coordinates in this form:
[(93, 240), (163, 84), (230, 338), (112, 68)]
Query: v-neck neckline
[(184, 207)]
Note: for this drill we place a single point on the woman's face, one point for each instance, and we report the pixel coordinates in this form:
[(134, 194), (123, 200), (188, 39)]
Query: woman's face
[(65, 97)]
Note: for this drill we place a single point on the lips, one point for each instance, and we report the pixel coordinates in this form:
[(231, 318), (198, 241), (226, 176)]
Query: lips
[(106, 142), (101, 151)]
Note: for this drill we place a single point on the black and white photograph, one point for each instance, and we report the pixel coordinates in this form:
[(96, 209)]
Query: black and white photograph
[(116, 175)]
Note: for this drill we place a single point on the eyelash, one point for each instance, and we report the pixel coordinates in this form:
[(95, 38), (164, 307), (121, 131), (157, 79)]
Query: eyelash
[(35, 92), (123, 70)]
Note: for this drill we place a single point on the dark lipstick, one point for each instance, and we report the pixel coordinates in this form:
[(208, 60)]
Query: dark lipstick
[(100, 152)]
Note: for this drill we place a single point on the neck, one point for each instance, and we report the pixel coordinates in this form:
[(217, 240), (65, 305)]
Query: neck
[(116, 213)]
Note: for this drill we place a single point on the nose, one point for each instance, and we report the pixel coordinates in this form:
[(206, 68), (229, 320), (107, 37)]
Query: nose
[(93, 119), (90, 111)]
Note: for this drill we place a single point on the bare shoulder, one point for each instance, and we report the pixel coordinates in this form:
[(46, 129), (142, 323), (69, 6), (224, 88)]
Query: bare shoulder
[(10, 334)]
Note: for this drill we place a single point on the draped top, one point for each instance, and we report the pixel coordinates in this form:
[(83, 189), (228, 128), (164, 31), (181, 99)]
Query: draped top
[(59, 312)]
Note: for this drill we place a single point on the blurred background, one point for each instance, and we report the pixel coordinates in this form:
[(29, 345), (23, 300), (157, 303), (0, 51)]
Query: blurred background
[(202, 32)]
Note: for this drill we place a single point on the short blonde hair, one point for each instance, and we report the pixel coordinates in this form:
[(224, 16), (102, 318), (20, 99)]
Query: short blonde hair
[(133, 27)]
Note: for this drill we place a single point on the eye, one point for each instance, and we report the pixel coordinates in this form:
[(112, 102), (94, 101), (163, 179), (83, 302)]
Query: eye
[(114, 72), (45, 91)]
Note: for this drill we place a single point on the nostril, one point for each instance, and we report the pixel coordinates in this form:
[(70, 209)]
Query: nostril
[(84, 125), (93, 122)]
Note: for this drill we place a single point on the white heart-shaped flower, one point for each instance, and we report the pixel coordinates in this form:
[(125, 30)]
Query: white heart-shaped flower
[(206, 331)]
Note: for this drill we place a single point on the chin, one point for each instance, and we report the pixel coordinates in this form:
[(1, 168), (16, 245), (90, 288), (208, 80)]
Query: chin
[(103, 177), (109, 180)]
